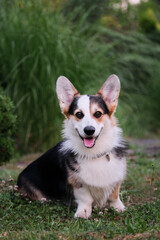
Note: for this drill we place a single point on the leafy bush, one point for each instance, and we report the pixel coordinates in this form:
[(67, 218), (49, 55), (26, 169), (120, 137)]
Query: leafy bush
[(7, 128), (148, 21)]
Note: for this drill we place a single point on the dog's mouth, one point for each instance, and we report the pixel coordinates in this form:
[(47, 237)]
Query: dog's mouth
[(88, 142)]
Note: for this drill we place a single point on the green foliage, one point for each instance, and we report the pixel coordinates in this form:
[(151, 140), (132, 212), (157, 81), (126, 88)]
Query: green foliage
[(94, 9), (7, 128), (110, 22), (135, 59), (148, 21), (120, 15), (39, 46)]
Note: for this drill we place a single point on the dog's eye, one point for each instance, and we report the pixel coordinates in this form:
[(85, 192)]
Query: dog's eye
[(97, 114), (79, 115)]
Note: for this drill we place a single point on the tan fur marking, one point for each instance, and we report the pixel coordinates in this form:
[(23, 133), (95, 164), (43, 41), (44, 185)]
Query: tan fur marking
[(111, 108), (65, 112), (94, 108), (74, 180), (115, 192)]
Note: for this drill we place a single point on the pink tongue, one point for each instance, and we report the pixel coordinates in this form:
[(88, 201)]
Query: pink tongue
[(89, 142)]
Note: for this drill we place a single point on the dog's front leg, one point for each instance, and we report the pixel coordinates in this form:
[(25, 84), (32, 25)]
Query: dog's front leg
[(84, 201), (115, 200)]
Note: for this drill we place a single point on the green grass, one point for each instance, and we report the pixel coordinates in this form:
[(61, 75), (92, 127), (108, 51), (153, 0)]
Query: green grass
[(24, 219)]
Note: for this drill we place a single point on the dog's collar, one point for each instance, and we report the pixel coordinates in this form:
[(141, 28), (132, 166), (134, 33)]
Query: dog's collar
[(107, 154)]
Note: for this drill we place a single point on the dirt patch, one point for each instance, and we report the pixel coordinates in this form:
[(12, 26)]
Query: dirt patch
[(151, 147)]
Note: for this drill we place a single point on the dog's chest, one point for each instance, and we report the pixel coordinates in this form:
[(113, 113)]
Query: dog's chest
[(101, 172)]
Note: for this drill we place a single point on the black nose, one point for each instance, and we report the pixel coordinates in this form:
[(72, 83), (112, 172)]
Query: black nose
[(89, 130)]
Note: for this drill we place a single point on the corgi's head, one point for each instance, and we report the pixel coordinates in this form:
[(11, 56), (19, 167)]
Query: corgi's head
[(89, 118)]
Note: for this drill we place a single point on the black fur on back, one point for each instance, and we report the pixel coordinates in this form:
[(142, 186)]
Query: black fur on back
[(48, 174)]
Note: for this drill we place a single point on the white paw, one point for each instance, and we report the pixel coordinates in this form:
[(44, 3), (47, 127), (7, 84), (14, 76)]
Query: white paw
[(83, 213), (118, 205)]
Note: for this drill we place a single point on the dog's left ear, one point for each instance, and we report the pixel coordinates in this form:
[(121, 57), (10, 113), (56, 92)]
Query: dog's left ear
[(110, 92), (66, 92)]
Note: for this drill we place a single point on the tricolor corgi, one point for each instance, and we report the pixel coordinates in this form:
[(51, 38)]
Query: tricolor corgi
[(89, 165)]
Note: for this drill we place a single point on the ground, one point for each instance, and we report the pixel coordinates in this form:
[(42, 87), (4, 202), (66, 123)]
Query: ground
[(24, 219)]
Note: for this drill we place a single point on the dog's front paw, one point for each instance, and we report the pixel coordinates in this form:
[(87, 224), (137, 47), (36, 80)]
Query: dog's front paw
[(118, 205), (83, 212)]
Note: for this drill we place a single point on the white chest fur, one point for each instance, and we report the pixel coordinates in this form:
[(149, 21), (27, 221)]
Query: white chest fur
[(102, 173)]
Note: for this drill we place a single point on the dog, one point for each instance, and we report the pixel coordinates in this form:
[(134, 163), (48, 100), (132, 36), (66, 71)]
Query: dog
[(89, 165)]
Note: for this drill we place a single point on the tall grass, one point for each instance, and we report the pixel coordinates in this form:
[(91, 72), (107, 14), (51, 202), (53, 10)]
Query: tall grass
[(136, 60), (38, 45)]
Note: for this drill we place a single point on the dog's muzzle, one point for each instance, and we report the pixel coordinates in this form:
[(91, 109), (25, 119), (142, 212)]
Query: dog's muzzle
[(89, 141)]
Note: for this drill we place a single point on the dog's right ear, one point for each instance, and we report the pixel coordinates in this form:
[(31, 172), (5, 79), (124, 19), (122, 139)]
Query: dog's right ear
[(110, 92), (66, 92)]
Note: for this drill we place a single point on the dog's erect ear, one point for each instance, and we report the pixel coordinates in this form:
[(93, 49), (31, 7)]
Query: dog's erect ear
[(110, 92), (66, 92)]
